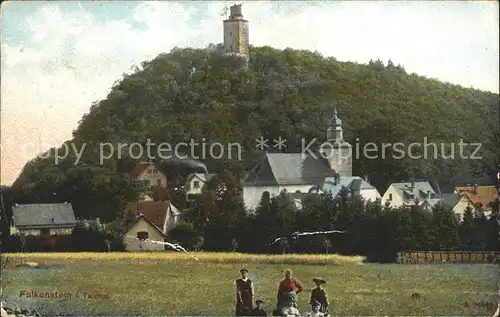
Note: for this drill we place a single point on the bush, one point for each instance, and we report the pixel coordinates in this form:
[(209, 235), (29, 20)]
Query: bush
[(185, 234)]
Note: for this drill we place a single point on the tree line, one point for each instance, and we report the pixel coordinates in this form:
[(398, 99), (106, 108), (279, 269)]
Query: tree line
[(218, 221), (372, 229)]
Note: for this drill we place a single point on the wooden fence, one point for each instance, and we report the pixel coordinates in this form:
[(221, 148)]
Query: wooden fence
[(484, 257)]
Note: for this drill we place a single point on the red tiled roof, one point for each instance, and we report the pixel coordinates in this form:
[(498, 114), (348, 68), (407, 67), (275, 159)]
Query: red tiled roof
[(482, 198), (154, 211)]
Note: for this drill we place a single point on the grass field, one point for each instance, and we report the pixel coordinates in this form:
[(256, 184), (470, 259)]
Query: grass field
[(177, 284)]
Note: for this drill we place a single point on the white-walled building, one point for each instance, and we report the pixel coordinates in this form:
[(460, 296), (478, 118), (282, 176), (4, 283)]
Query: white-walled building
[(301, 172), (407, 194)]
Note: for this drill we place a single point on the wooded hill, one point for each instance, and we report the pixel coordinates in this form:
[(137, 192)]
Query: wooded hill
[(200, 93)]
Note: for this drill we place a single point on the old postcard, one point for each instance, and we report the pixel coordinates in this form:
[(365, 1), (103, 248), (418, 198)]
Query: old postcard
[(258, 158)]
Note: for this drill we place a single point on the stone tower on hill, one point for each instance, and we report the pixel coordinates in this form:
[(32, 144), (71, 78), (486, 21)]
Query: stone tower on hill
[(236, 39)]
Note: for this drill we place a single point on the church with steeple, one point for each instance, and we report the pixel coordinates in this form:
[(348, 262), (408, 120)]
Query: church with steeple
[(336, 150), (328, 167)]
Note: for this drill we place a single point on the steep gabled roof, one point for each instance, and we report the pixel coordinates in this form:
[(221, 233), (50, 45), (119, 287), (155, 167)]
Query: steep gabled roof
[(354, 183), (448, 199), (482, 197), (139, 216), (141, 167), (201, 176), (43, 215), (289, 169), (155, 211), (418, 191)]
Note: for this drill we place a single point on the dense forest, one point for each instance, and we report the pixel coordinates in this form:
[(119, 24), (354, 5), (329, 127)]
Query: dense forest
[(202, 93)]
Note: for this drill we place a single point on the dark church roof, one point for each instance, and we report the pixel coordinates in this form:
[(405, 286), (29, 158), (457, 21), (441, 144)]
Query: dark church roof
[(289, 169), (43, 215)]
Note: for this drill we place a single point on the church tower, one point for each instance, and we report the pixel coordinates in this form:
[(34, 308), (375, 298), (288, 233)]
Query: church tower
[(336, 150), (236, 39)]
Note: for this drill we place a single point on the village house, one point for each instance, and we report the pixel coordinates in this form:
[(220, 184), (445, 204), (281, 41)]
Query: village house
[(355, 186), (298, 173), (153, 221), (449, 200), (407, 194), (43, 219), (194, 184), (478, 198), (90, 223), (150, 174)]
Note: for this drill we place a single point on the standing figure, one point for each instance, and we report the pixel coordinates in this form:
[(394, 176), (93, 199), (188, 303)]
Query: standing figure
[(318, 294), (244, 294), (288, 290)]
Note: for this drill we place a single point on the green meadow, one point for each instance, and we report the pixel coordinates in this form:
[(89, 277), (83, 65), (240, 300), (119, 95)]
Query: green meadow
[(191, 284)]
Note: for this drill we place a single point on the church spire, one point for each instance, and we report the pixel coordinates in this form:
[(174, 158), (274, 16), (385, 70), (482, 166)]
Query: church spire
[(334, 131)]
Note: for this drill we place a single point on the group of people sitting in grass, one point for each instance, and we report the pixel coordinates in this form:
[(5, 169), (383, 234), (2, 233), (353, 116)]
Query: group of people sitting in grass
[(287, 298)]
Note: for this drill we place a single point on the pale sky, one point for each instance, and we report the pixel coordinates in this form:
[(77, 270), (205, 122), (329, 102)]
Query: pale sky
[(59, 57)]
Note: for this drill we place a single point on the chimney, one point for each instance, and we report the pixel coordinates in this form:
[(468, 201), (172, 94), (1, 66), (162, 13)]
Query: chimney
[(429, 194), (412, 184), (475, 189), (52, 219)]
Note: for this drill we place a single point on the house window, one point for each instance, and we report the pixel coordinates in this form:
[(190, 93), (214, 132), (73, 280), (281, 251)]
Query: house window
[(158, 182), (196, 184), (44, 232), (230, 33), (142, 235), (390, 197)]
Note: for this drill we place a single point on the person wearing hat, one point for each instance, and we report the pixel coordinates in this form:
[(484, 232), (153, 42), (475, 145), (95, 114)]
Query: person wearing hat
[(258, 310), (318, 295), (244, 294)]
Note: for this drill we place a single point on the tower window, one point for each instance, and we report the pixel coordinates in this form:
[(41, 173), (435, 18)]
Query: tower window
[(230, 33)]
